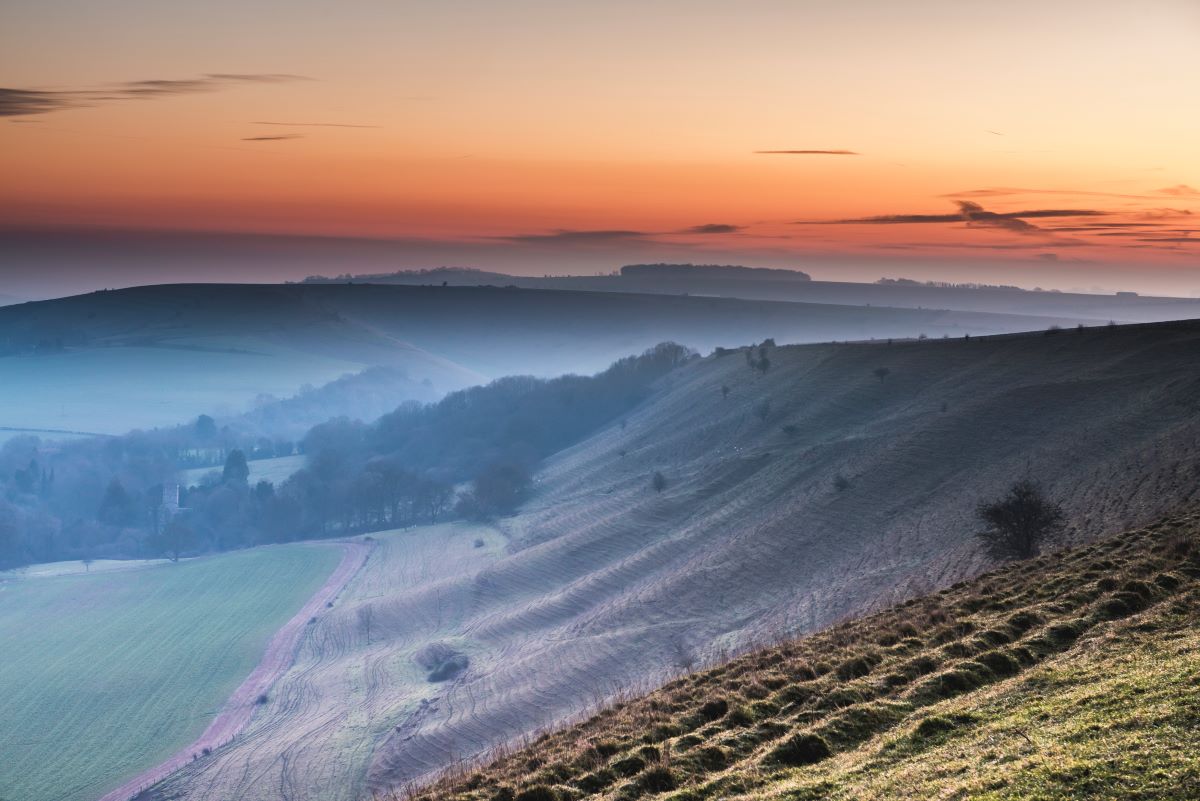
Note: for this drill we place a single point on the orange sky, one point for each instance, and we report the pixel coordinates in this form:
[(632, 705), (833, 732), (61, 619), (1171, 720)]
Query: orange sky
[(621, 125)]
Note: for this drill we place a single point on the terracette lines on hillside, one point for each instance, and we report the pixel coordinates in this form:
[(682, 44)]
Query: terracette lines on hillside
[(606, 586)]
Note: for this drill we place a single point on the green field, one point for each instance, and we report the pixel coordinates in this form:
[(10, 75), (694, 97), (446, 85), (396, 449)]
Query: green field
[(104, 675), (277, 470)]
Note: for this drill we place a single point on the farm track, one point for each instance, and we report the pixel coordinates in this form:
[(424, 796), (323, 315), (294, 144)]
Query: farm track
[(240, 706)]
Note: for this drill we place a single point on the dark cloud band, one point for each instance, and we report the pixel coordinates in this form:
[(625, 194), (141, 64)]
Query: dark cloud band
[(24, 102)]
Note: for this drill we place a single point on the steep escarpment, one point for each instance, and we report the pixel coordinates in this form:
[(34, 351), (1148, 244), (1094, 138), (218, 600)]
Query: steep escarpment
[(839, 481)]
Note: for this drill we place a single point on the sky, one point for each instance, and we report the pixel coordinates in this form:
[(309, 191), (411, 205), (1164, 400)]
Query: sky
[(1034, 143)]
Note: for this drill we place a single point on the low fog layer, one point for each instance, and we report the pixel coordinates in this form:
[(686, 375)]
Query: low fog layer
[(108, 362)]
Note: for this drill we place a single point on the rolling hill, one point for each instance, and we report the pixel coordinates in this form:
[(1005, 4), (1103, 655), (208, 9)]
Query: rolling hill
[(814, 492), (795, 287), (110, 361)]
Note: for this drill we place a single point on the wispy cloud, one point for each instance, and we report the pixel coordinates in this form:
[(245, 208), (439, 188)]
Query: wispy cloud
[(314, 124), (807, 153), (979, 217), (968, 212), (19, 102), (577, 237), (713, 228), (1006, 191), (23, 102), (279, 138), (1180, 190)]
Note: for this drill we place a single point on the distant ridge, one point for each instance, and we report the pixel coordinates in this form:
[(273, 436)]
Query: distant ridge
[(435, 275), (710, 271)]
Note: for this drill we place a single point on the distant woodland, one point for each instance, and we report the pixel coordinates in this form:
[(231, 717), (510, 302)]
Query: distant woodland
[(471, 454)]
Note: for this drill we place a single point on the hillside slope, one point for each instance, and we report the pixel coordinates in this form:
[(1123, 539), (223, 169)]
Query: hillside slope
[(607, 586), (156, 355), (1071, 675)]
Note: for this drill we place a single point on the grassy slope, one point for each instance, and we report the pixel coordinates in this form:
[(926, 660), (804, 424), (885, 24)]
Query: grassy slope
[(1068, 676), (314, 739), (106, 674)]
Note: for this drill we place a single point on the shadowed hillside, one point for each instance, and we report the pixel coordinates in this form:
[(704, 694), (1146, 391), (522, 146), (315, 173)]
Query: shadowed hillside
[(211, 348), (1068, 676), (817, 490)]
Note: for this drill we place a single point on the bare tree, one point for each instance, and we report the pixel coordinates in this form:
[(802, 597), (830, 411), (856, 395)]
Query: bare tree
[(366, 614), (1017, 524), (881, 373)]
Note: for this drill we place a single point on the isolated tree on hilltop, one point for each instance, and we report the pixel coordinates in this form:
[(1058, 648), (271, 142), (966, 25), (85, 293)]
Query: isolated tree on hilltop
[(1017, 524)]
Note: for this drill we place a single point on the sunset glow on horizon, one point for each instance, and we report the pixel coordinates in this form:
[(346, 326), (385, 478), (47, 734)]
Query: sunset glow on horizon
[(1058, 139)]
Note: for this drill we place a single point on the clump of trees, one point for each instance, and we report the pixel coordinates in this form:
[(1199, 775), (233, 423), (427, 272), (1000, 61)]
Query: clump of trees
[(1016, 525), (757, 358), (497, 490)]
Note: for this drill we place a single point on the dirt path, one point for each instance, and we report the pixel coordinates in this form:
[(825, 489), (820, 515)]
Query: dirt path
[(278, 657)]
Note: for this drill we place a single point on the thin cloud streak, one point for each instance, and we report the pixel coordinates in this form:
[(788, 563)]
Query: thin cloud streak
[(807, 153), (314, 124), (577, 237), (280, 138), (969, 212), (1006, 191), (1180, 190), (713, 228)]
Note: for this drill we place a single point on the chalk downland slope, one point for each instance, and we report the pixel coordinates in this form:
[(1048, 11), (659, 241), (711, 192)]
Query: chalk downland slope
[(1071, 675), (605, 585)]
